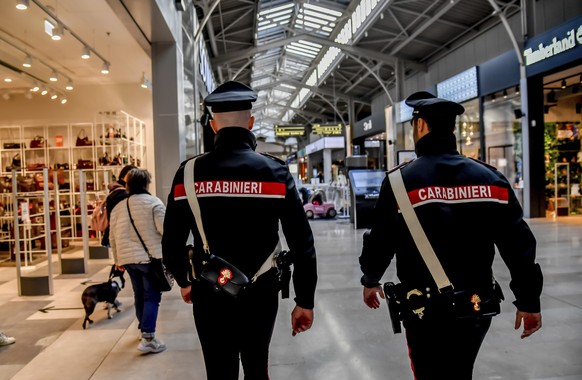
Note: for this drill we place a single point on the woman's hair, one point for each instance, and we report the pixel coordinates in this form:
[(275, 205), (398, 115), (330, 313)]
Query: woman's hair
[(138, 181), (125, 170)]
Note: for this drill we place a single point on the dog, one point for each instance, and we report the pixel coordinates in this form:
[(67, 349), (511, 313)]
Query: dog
[(104, 292)]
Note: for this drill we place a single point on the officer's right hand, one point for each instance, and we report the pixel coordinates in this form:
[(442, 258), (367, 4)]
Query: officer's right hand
[(371, 298), (532, 322), (186, 293)]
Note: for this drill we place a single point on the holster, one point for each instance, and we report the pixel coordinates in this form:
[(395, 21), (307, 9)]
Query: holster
[(224, 276), (284, 262), (392, 293)]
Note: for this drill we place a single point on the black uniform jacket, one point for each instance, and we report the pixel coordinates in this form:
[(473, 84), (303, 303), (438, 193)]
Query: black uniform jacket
[(242, 195), (466, 209)]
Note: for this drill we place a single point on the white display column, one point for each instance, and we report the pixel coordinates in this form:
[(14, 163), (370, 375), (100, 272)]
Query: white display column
[(169, 127), (327, 166)]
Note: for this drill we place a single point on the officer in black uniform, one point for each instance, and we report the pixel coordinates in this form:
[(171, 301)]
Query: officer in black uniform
[(466, 208), (242, 195)]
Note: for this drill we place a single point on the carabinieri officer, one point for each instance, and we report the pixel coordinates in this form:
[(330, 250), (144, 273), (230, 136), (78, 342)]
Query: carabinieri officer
[(466, 208), (242, 195)]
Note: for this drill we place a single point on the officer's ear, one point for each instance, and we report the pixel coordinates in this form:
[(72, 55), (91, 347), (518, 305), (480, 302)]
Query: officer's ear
[(251, 122), (422, 126), (213, 126)]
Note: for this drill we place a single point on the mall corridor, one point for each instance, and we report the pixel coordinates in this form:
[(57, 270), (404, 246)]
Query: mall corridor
[(348, 341)]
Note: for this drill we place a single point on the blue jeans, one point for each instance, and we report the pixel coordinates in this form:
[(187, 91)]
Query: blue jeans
[(147, 298)]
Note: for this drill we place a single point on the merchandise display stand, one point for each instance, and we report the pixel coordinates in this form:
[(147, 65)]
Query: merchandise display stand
[(69, 265), (34, 284)]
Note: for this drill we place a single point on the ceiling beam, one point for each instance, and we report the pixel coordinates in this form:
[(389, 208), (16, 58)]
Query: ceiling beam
[(354, 50)]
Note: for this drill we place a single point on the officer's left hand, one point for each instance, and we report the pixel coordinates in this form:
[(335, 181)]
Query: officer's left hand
[(532, 322), (301, 320), (186, 294), (371, 298)]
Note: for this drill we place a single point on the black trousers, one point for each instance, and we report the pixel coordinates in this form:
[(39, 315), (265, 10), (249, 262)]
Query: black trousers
[(236, 328), (444, 348)]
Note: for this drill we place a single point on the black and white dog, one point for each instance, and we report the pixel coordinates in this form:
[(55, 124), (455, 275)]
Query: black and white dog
[(104, 292)]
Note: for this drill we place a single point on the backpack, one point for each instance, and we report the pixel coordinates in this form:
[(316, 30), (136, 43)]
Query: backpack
[(99, 221)]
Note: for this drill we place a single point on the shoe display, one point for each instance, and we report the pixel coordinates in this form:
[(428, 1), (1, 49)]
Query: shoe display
[(5, 340), (151, 346)]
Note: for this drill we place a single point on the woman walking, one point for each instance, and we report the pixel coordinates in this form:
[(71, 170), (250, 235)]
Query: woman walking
[(136, 228)]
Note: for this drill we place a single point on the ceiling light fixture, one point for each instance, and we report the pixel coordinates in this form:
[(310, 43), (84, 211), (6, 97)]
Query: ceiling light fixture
[(504, 94), (22, 4), (493, 98), (86, 52), (64, 100), (7, 80), (105, 68), (58, 33), (69, 86), (35, 88), (145, 82), (517, 89), (54, 95), (27, 61), (44, 91), (54, 77), (563, 83)]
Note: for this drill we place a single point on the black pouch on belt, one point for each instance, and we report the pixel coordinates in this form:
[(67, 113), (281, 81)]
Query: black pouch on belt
[(224, 276), (471, 303), (393, 298)]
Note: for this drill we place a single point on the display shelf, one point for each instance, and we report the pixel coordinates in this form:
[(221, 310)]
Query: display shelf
[(66, 148)]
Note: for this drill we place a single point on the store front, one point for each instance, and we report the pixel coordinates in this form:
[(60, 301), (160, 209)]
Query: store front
[(369, 135), (554, 70)]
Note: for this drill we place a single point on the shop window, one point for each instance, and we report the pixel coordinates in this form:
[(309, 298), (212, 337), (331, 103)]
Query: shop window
[(468, 131)]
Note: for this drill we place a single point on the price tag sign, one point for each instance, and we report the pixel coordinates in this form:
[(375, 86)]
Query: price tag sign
[(25, 212)]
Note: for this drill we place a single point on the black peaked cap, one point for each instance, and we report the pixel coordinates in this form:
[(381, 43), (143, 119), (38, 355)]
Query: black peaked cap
[(231, 96), (427, 105)]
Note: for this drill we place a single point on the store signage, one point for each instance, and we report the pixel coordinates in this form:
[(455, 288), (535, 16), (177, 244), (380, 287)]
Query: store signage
[(289, 130), (370, 126), (461, 87), (318, 129), (556, 47)]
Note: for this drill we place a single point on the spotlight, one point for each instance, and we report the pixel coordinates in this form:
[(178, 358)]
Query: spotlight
[(44, 91), (493, 98), (58, 33), (27, 61), (69, 86), (145, 82), (54, 77), (105, 68), (7, 80), (504, 94), (563, 83), (86, 52), (54, 95), (64, 100), (22, 4), (517, 89), (35, 88)]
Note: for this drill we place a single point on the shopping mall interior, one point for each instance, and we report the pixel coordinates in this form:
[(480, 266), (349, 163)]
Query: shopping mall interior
[(89, 86)]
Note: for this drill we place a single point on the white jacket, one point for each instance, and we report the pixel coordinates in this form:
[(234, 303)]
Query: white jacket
[(148, 215)]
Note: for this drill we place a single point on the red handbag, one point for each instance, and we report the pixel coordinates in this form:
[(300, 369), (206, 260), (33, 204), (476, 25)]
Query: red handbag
[(37, 142), (82, 139)]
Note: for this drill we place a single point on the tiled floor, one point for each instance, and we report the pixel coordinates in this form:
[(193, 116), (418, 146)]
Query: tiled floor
[(348, 340)]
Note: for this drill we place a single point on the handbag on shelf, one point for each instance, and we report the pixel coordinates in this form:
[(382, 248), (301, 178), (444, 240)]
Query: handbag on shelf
[(25, 184), (90, 184), (12, 145), (84, 164), (33, 167), (39, 182), (163, 280), (16, 162), (37, 142), (5, 184), (82, 139)]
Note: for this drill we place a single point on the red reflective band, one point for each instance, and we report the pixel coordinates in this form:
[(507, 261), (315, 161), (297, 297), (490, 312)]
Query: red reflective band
[(240, 189), (179, 192), (458, 194)]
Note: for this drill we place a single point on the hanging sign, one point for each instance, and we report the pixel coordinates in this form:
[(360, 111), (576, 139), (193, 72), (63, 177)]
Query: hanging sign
[(25, 212), (318, 129), (289, 130)]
